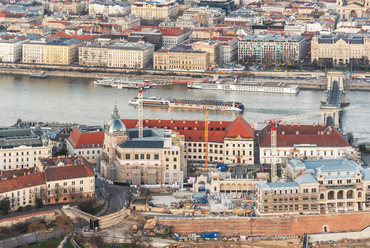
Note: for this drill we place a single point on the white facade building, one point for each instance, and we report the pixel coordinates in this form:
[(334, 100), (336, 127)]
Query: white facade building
[(11, 49)]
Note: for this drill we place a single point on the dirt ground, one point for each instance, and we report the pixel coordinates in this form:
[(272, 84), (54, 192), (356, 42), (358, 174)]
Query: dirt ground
[(362, 244), (288, 243), (126, 226)]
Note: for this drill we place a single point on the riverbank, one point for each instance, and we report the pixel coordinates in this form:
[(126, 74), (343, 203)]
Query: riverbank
[(304, 84)]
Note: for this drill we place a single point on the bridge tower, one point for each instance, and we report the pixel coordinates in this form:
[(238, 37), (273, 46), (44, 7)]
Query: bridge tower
[(334, 100)]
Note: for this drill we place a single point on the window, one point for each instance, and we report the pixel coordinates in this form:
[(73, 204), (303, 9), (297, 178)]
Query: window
[(156, 156), (313, 190), (73, 183), (81, 181), (174, 167), (65, 184), (148, 156), (330, 182), (127, 156), (142, 156), (81, 189), (174, 159), (136, 156)]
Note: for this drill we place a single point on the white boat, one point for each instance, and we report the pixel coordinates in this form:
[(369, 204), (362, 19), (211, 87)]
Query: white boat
[(123, 83), (267, 87), (186, 104), (40, 74)]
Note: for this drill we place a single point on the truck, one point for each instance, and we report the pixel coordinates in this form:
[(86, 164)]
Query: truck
[(209, 235), (134, 229)]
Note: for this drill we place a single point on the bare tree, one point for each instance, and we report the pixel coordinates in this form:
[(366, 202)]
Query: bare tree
[(37, 228), (64, 223), (57, 193)]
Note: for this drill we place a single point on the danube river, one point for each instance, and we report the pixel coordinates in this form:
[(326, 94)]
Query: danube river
[(79, 100)]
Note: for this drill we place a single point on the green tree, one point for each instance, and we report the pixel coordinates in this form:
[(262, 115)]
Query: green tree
[(5, 206)]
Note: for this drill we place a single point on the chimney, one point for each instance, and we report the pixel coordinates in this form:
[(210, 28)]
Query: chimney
[(314, 125), (323, 125), (196, 121), (284, 124), (318, 132), (220, 122), (146, 120), (159, 120), (296, 132), (292, 124), (298, 124), (183, 121), (171, 121), (14, 176), (282, 132), (328, 132)]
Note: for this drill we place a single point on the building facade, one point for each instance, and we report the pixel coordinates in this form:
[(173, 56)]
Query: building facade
[(20, 148), (319, 186), (109, 8), (87, 142), (304, 142), (228, 49), (340, 49), (11, 48), (34, 52), (181, 57), (155, 10), (271, 48), (157, 157)]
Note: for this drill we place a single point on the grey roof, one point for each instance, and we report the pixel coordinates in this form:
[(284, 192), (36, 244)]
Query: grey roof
[(131, 46), (307, 178), (264, 185), (124, 4), (349, 38), (152, 138), (62, 42), (273, 37), (14, 137)]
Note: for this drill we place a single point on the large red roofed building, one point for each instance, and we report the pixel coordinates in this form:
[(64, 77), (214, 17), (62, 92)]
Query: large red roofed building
[(229, 141), (304, 142), (86, 141)]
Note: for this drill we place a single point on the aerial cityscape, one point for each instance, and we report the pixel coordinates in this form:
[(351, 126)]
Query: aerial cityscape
[(184, 123)]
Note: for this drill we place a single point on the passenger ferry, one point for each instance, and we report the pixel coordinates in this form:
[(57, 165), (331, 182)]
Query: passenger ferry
[(123, 83), (188, 104), (268, 87)]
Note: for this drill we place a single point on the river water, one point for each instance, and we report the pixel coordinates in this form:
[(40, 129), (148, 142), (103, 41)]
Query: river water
[(79, 100)]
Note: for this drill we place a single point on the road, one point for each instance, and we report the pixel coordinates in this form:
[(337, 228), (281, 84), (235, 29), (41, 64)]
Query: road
[(118, 195)]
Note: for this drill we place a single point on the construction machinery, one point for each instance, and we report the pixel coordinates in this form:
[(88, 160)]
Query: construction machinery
[(141, 117), (274, 123)]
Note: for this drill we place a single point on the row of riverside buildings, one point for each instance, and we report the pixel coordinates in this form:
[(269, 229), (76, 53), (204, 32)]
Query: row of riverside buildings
[(319, 171), (175, 51)]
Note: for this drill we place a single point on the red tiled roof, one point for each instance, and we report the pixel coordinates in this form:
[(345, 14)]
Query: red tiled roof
[(307, 134), (61, 22), (240, 127), (22, 182), (67, 172), (194, 130), (172, 31), (62, 34), (78, 139), (21, 172)]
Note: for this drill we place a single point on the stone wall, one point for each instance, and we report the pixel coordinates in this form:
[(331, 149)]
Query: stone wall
[(46, 215), (269, 226)]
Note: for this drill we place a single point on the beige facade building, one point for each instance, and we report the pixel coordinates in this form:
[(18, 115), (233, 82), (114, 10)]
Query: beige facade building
[(20, 148), (181, 57), (161, 10), (352, 8), (340, 49), (212, 48), (70, 7), (126, 55), (55, 52), (156, 158)]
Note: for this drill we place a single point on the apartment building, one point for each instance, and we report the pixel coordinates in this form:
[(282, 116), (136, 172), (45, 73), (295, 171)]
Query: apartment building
[(11, 48), (109, 8), (87, 142), (61, 51), (24, 190), (271, 48), (318, 186), (228, 49), (304, 142), (172, 36), (119, 54), (56, 51), (157, 157), (340, 49), (70, 7), (67, 179), (20, 148), (229, 142), (181, 57), (155, 10), (211, 47)]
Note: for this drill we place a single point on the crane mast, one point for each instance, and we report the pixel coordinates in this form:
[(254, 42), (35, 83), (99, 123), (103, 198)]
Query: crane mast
[(206, 140), (274, 177), (140, 112)]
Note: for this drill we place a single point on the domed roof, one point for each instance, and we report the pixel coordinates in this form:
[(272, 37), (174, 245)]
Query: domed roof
[(115, 125)]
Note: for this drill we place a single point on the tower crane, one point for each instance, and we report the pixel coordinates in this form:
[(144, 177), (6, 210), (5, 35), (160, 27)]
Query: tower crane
[(274, 123), (206, 140), (141, 118)]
